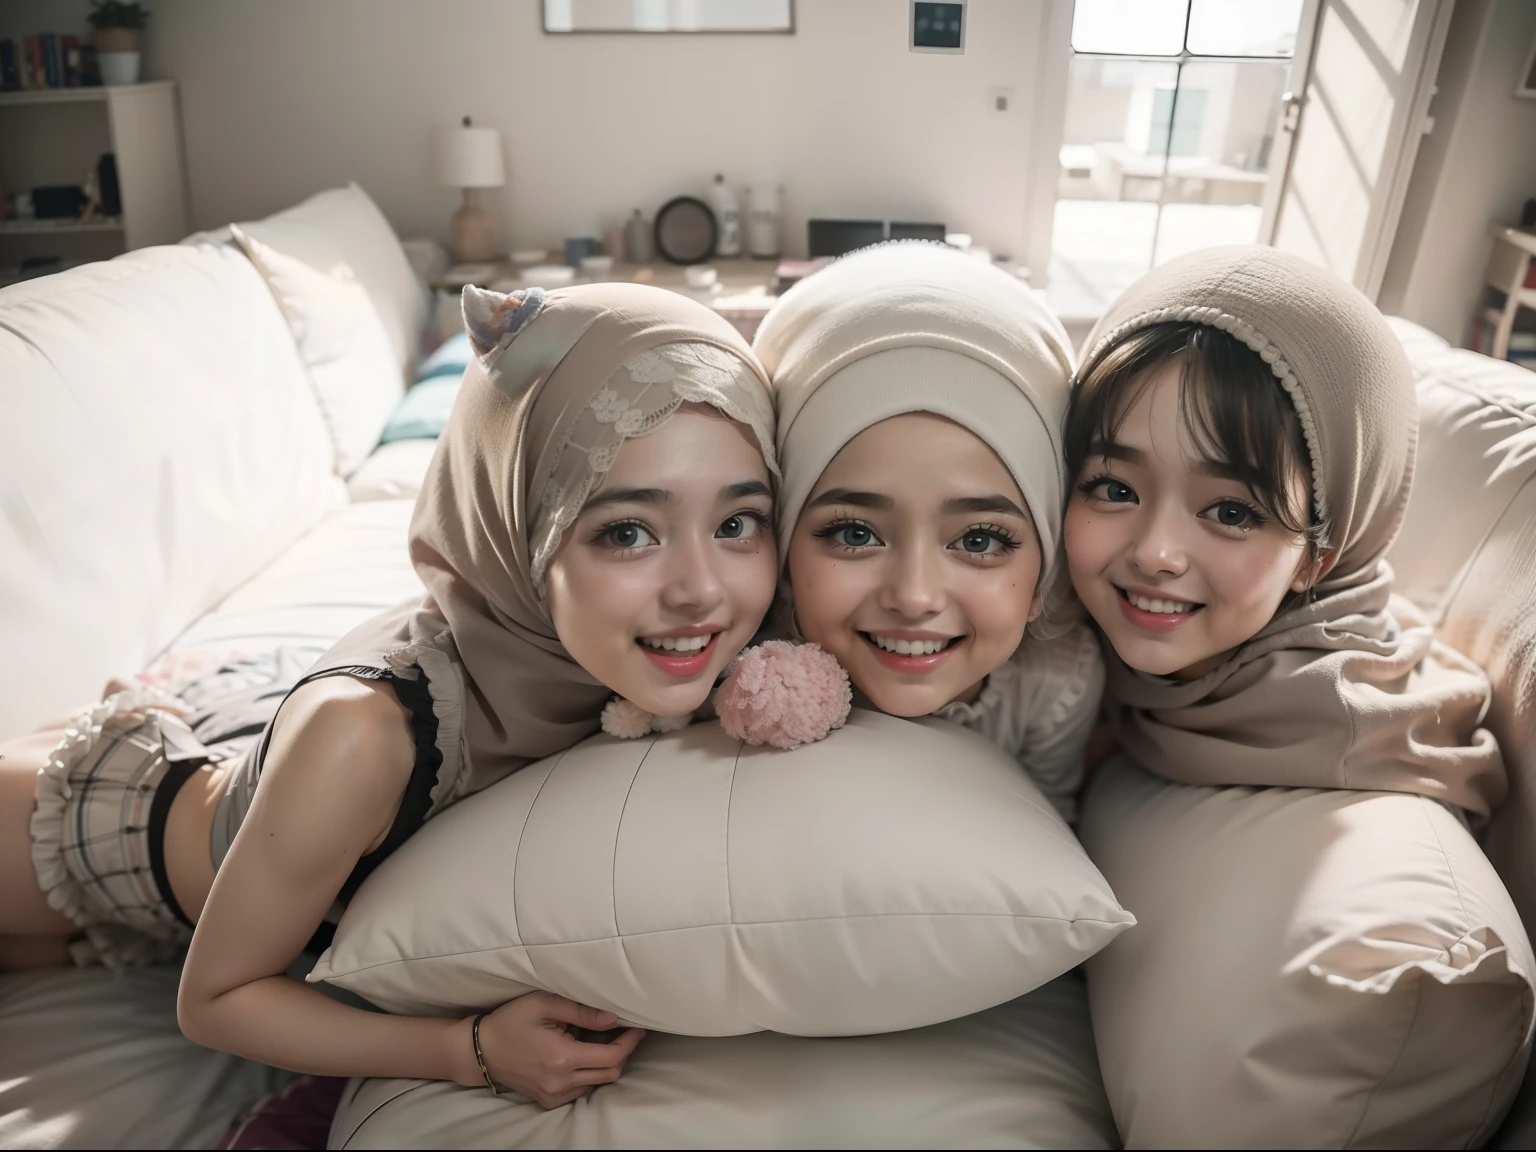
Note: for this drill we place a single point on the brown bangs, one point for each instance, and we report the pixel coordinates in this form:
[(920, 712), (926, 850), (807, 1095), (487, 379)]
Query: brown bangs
[(1235, 409)]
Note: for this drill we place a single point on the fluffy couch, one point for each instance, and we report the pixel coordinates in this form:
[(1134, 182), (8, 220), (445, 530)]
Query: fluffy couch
[(180, 473)]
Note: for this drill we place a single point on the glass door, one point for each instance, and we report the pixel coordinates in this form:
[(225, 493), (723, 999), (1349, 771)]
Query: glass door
[(1172, 111)]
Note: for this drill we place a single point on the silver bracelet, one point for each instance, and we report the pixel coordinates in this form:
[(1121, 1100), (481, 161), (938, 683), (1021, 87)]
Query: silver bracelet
[(474, 1035)]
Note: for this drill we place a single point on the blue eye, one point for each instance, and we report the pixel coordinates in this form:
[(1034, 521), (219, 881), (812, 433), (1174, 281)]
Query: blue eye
[(626, 535), (977, 541), (1234, 514), (742, 526), (849, 534), (983, 541), (1117, 493), (1108, 489)]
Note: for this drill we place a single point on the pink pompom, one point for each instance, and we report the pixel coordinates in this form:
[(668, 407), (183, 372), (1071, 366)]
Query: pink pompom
[(626, 720), (784, 695)]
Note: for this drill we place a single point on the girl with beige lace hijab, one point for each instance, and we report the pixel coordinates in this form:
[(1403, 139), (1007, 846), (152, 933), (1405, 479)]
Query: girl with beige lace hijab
[(596, 520)]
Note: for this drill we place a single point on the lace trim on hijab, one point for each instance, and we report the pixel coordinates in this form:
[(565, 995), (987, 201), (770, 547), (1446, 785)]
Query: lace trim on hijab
[(636, 400)]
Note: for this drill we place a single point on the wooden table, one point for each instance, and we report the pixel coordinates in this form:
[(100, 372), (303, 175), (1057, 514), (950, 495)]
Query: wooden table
[(742, 292), (1509, 266)]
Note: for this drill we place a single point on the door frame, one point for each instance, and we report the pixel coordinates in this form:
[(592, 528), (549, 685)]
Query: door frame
[(1410, 121)]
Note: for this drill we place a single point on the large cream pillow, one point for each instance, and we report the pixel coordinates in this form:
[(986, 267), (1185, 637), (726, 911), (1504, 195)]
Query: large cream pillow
[(897, 874), (342, 343), (1022, 1075), (1309, 969)]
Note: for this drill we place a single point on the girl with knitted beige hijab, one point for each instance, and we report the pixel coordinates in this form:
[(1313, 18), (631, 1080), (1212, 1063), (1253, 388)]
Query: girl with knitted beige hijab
[(1241, 444), (919, 395)]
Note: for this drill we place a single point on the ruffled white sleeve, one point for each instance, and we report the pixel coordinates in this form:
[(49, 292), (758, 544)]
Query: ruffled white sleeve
[(1067, 707), (1041, 707)]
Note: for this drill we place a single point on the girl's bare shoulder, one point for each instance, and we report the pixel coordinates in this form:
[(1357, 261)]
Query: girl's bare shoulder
[(344, 725)]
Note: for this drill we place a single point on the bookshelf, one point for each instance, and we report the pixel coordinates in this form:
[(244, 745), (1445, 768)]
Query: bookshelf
[(1508, 270), (34, 227), (59, 96), (56, 136)]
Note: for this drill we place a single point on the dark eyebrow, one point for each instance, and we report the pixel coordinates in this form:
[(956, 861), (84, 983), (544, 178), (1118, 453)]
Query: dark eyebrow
[(744, 489), (849, 496), (1220, 470), (1111, 450), (627, 496), (1217, 469), (982, 504)]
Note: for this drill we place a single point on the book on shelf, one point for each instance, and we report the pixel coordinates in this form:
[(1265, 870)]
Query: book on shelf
[(53, 74), (1522, 341)]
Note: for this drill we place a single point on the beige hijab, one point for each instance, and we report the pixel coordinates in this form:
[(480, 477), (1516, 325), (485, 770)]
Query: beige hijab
[(918, 327), (561, 381), (1350, 689)]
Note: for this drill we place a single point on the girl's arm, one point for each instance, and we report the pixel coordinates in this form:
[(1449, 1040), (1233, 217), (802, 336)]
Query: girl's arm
[(340, 758)]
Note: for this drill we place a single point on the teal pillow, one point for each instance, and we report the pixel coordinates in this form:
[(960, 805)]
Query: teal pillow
[(423, 410)]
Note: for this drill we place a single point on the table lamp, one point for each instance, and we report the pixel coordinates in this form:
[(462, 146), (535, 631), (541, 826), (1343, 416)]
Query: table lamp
[(470, 158)]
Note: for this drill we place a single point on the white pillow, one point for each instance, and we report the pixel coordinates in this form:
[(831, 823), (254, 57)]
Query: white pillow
[(897, 874), (345, 226), (341, 342), (1022, 1075), (1309, 969)]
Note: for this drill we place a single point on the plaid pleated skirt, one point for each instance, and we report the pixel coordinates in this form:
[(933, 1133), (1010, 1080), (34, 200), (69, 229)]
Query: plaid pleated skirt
[(98, 829)]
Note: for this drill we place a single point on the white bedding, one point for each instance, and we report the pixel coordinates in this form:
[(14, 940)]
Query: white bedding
[(350, 566), (90, 1059)]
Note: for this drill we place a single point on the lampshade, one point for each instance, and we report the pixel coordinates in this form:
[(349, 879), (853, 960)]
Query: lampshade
[(469, 157)]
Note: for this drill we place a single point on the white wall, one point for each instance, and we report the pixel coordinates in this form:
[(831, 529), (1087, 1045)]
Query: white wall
[(283, 97), (1478, 165)]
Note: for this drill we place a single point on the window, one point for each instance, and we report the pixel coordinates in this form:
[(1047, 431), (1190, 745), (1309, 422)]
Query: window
[(1172, 108)]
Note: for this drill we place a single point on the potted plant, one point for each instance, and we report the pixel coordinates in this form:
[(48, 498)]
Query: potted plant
[(116, 25)]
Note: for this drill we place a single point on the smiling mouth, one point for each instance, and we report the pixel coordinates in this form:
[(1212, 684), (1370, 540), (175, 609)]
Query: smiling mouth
[(1155, 613), (680, 655), (909, 647), (677, 645), (902, 655), (1159, 605)]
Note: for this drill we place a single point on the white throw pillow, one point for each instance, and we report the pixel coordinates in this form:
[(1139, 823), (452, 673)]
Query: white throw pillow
[(1022, 1075), (897, 874), (1309, 969), (341, 342), (345, 226)]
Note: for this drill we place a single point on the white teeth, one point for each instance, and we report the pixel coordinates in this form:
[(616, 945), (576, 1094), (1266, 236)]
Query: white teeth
[(1161, 607), (678, 643), (910, 647)]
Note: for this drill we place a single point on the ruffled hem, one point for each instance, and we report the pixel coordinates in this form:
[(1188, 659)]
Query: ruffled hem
[(115, 945), (446, 688)]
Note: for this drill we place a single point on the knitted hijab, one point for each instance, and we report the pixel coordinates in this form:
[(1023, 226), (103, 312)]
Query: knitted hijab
[(1347, 689)]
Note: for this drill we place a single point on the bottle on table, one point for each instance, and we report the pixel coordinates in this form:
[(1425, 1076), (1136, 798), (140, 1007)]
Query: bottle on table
[(727, 209)]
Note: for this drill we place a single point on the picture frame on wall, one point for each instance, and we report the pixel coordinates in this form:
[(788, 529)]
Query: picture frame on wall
[(653, 16), (1525, 87)]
